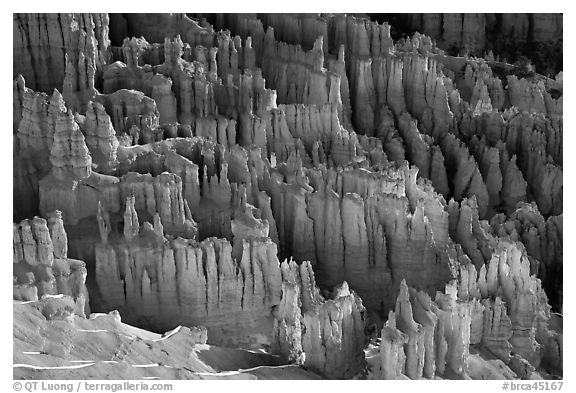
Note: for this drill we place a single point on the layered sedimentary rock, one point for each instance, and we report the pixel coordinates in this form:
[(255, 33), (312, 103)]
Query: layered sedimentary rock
[(493, 308), (375, 225), (49, 140), (33, 138), (473, 30), (69, 154), (100, 136), (41, 265), (233, 298), (211, 288), (543, 241), (156, 27), (325, 335), (190, 161), (43, 43), (160, 195)]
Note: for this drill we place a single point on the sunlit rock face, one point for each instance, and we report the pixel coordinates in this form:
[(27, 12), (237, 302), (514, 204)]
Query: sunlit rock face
[(308, 187), (42, 267)]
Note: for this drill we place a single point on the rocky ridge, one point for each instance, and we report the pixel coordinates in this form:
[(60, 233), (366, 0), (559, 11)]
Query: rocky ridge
[(208, 158)]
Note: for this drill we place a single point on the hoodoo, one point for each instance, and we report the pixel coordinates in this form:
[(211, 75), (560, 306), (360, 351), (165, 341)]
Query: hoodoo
[(288, 196)]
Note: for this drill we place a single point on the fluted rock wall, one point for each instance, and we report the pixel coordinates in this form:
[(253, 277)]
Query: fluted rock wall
[(42, 117), (543, 241), (160, 284), (234, 298), (211, 155), (360, 225), (325, 335), (186, 90), (129, 108), (41, 265), (43, 43), (100, 137), (161, 194), (472, 30), (156, 27), (501, 308)]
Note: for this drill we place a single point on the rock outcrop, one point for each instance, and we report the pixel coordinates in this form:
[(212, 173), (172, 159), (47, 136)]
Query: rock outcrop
[(478, 33), (295, 183), (501, 308), (45, 46), (233, 299), (41, 265), (325, 335)]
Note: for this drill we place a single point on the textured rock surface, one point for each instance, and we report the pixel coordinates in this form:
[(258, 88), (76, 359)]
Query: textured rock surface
[(43, 42), (211, 288), (326, 336), (106, 345), (509, 35), (41, 265), (298, 184), (439, 335)]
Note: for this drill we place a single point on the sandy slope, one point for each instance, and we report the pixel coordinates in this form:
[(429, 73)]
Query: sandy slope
[(102, 347)]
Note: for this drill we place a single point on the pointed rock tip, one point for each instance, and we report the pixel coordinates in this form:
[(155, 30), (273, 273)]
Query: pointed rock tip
[(20, 81), (343, 290)]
